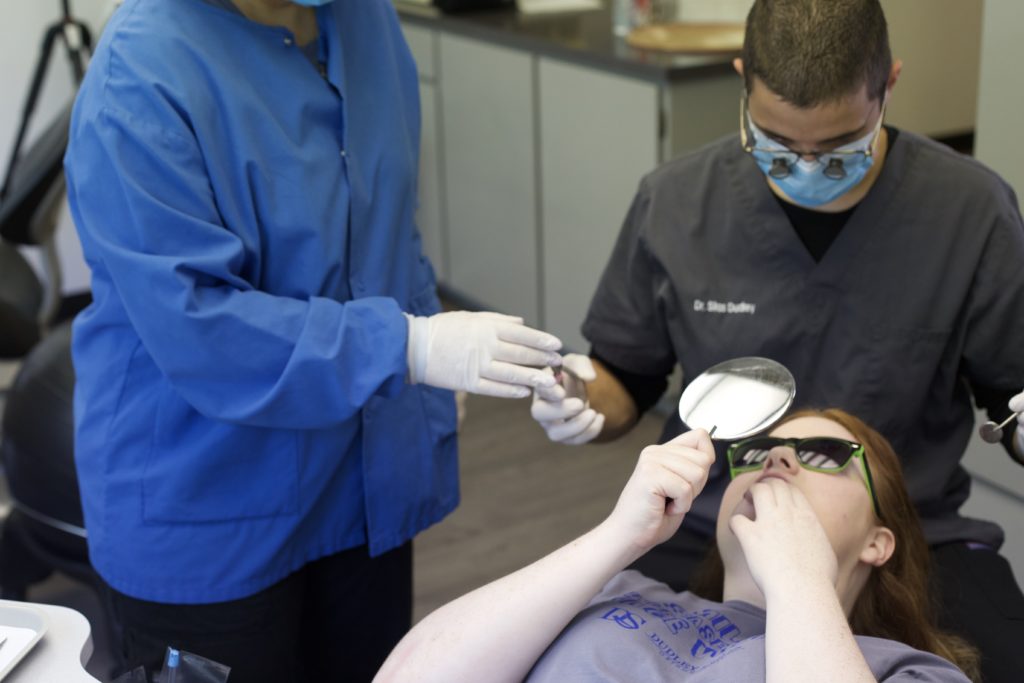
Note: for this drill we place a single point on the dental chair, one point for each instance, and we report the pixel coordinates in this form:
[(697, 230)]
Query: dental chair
[(43, 531), (32, 196)]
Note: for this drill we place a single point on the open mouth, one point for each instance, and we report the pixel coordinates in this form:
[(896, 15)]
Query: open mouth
[(746, 507)]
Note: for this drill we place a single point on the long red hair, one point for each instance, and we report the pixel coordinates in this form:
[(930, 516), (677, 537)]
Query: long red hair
[(895, 602)]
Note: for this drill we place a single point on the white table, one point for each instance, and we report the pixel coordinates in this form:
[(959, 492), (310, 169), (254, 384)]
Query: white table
[(62, 652)]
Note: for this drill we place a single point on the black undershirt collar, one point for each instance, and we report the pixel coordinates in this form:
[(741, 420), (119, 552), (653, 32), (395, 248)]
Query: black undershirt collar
[(818, 229)]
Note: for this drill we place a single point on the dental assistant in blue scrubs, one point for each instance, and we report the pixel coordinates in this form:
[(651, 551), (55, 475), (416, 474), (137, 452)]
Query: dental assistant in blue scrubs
[(264, 406)]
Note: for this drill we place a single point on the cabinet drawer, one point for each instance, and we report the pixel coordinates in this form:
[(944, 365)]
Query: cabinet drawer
[(421, 43)]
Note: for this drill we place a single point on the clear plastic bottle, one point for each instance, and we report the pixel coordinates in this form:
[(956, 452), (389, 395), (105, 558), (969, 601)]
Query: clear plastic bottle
[(622, 17)]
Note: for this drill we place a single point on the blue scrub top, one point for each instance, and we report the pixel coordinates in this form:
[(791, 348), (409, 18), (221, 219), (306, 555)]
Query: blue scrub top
[(241, 406)]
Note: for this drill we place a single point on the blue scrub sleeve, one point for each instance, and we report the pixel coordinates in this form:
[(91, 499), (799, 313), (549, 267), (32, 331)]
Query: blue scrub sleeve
[(143, 202)]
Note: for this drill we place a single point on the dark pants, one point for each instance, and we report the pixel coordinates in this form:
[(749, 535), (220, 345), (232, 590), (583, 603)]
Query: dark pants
[(336, 619), (981, 601), (975, 590)]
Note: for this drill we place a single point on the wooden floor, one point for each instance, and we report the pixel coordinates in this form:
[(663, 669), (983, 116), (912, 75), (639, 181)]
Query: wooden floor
[(522, 497)]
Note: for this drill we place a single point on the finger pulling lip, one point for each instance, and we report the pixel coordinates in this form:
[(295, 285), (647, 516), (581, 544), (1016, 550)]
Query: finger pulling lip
[(746, 507)]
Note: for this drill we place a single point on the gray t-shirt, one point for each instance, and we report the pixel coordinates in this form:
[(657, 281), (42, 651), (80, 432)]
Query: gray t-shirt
[(637, 629), (922, 289)]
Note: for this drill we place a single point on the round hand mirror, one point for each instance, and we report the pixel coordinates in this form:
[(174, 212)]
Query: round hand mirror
[(737, 398)]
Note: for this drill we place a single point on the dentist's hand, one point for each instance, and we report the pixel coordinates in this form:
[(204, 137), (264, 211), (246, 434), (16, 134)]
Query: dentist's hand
[(482, 353), (562, 408), (1016, 406)]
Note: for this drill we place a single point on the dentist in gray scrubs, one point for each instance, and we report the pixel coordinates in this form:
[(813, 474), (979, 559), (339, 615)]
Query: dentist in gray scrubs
[(885, 270)]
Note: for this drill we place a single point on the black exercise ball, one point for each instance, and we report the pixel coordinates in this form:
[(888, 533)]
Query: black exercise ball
[(38, 431)]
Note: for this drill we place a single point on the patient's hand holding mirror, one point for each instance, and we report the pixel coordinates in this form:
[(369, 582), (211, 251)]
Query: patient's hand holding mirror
[(738, 398)]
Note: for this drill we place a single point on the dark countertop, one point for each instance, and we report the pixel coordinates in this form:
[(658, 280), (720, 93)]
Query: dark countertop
[(583, 37)]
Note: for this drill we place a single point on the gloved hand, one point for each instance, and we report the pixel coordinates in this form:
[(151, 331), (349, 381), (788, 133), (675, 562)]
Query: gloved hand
[(482, 353), (1017, 406), (563, 410)]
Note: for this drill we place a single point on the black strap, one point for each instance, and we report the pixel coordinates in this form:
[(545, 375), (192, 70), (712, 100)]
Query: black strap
[(76, 59)]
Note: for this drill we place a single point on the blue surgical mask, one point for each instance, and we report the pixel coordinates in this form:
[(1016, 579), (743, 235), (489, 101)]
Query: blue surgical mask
[(817, 181)]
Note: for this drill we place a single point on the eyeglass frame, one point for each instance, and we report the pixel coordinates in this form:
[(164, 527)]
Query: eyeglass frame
[(858, 452), (780, 161)]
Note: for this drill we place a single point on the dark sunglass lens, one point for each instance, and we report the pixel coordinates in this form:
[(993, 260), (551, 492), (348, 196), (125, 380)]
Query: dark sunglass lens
[(825, 454), (751, 453)]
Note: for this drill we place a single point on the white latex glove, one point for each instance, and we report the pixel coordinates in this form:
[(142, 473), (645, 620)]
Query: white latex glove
[(1017, 406), (482, 353), (562, 409)]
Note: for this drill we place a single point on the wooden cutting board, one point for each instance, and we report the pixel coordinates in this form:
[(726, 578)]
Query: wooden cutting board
[(688, 37)]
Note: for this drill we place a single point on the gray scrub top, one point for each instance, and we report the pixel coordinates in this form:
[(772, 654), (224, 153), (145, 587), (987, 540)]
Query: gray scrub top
[(922, 289), (637, 629)]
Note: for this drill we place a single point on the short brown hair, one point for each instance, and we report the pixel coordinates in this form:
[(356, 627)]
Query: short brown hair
[(812, 52)]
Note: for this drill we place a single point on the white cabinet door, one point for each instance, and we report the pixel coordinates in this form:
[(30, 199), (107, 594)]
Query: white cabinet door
[(699, 110), (430, 212), (599, 135), (490, 174), (421, 43)]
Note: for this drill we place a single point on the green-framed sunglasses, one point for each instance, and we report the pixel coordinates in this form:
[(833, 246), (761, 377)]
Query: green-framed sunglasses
[(817, 453)]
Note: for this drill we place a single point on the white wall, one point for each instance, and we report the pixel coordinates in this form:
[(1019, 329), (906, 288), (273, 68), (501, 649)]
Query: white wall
[(713, 10), (939, 43), (999, 482), (999, 142), (22, 26)]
